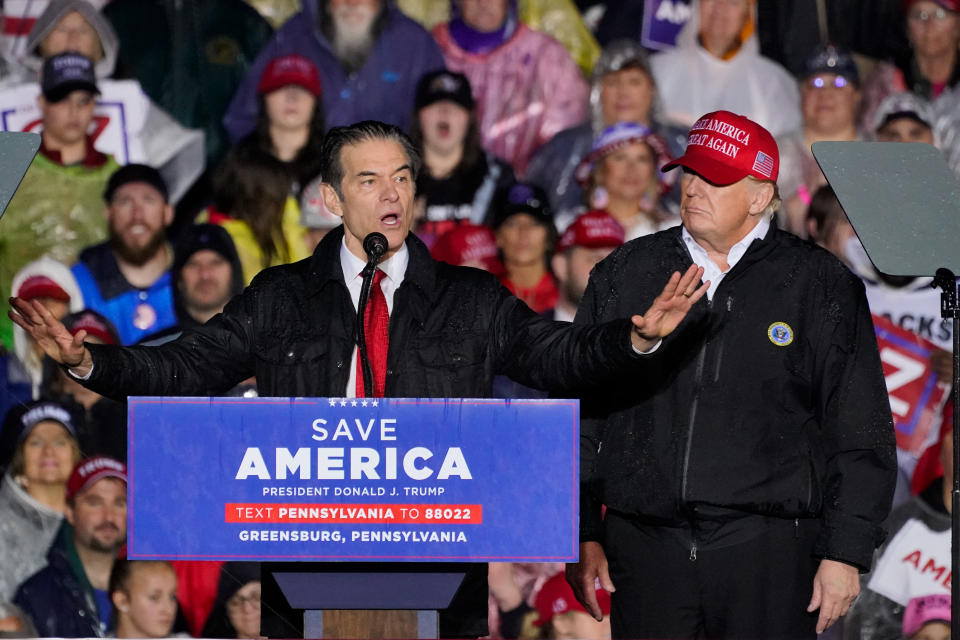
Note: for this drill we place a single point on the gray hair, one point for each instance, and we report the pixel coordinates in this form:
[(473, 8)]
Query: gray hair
[(331, 164), (775, 202)]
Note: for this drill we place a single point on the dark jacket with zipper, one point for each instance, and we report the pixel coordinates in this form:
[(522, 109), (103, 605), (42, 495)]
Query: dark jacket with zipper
[(59, 598), (451, 330), (767, 400)]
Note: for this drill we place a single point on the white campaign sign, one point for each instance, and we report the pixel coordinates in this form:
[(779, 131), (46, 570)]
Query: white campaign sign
[(118, 118), (915, 563)]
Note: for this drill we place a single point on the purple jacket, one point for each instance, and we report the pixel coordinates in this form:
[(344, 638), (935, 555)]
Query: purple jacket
[(384, 89)]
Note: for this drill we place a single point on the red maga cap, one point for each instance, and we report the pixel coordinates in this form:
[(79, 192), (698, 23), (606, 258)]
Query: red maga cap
[(556, 597), (468, 244), (593, 230), (724, 148), (90, 471), (287, 70), (42, 287)]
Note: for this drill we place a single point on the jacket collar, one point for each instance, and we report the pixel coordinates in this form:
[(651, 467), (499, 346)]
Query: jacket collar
[(421, 275)]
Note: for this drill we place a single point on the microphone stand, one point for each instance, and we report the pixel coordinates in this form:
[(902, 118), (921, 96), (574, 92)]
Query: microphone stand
[(374, 254)]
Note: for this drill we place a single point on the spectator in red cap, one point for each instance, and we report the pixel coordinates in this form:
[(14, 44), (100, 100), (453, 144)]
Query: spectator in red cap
[(52, 284), (101, 422), (933, 30), (257, 188), (916, 558), (469, 245), (69, 597), (561, 616), (459, 180), (289, 124), (587, 241), (622, 176), (33, 491), (758, 466)]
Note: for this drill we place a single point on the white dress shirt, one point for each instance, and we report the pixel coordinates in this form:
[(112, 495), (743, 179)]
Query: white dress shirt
[(711, 271), (394, 269)]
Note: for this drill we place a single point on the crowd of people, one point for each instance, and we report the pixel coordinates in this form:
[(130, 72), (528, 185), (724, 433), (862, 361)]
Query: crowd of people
[(183, 152)]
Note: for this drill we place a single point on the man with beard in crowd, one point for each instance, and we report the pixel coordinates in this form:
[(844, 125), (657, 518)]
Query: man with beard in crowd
[(69, 597), (369, 54), (127, 278)]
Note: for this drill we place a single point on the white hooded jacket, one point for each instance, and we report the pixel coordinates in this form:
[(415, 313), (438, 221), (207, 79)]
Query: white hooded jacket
[(692, 82)]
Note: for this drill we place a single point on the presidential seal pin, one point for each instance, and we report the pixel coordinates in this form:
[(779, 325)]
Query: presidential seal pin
[(780, 334)]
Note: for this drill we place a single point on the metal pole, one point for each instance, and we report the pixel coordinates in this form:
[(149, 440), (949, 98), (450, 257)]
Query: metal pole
[(947, 282), (955, 494)]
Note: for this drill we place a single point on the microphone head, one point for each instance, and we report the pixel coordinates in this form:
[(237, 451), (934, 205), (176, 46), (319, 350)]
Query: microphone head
[(375, 245)]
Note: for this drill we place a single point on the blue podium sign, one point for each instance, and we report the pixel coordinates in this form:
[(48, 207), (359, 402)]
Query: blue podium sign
[(385, 479)]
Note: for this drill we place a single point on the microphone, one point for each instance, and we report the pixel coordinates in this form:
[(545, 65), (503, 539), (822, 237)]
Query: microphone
[(375, 245)]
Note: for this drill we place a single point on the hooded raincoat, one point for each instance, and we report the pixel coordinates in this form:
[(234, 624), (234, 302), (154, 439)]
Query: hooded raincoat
[(527, 89), (27, 528), (134, 128), (693, 81)]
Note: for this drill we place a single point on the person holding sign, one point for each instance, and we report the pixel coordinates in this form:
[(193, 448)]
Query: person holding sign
[(747, 472), (444, 331)]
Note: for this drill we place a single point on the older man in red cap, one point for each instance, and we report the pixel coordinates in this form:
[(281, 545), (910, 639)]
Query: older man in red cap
[(746, 474)]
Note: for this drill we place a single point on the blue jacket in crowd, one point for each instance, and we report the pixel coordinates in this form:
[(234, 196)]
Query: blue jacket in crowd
[(383, 89)]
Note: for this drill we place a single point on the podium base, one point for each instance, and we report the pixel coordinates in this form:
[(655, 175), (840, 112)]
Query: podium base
[(384, 623)]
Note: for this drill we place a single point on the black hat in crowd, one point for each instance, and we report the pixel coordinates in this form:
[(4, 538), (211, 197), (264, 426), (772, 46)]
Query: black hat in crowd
[(198, 237), (524, 197), (444, 85), (135, 173), (829, 58), (65, 73), (214, 237)]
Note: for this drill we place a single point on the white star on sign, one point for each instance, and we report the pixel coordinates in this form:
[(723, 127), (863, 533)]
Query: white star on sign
[(363, 403), (373, 402), (343, 403), (333, 402), (353, 403)]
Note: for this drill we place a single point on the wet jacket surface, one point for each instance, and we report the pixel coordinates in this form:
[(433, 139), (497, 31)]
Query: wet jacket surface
[(768, 400), (59, 598), (451, 330)]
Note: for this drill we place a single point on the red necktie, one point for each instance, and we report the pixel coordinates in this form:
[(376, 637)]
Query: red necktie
[(376, 320)]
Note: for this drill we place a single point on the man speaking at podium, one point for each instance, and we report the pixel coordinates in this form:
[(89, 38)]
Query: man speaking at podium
[(746, 475), (432, 330)]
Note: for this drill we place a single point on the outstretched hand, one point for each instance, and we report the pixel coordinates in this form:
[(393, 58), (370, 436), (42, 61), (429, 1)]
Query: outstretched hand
[(669, 308), (51, 335)]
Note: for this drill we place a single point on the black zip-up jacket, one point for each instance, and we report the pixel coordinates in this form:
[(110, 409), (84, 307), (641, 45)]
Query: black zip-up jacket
[(767, 400), (451, 330), (59, 598)]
